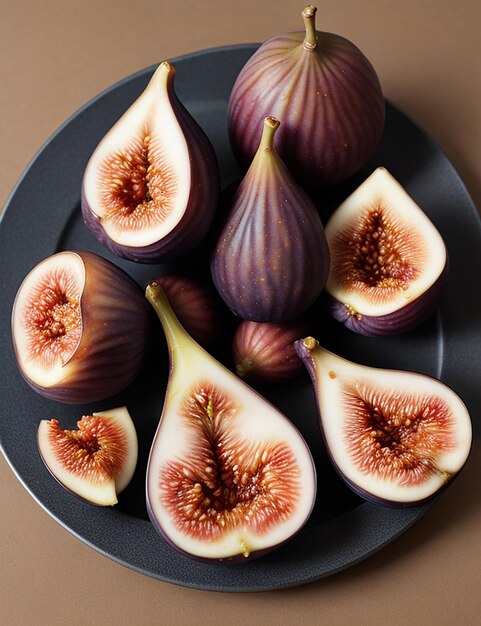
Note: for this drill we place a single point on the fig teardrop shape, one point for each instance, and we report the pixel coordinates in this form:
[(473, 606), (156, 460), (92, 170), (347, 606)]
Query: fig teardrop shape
[(229, 477), (271, 260), (395, 437), (151, 187), (326, 94), (389, 263)]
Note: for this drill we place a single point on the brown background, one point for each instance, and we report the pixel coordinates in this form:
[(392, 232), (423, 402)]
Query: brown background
[(54, 56)]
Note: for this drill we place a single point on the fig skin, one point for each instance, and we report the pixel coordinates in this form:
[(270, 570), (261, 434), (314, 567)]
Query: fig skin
[(223, 485), (204, 189), (101, 456), (194, 305), (389, 264), (271, 260), (115, 330), (428, 439), (403, 320), (265, 353), (326, 94)]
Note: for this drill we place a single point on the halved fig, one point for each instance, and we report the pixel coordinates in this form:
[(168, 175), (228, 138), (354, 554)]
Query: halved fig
[(388, 261), (151, 187), (229, 476), (95, 462), (80, 328), (396, 437)]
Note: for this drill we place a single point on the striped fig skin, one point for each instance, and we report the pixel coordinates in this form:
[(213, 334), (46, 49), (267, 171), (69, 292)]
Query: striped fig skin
[(265, 353), (404, 319), (115, 321), (201, 204), (271, 260), (328, 98), (194, 306)]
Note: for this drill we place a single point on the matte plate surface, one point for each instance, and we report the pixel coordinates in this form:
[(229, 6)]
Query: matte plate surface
[(43, 216)]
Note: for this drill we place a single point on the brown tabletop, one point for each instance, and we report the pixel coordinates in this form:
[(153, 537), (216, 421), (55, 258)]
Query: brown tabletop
[(54, 57)]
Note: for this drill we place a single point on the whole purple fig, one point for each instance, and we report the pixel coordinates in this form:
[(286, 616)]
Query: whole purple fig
[(271, 260), (325, 92)]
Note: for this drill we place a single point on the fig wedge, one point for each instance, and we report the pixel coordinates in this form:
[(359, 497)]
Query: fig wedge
[(389, 263), (151, 187), (95, 462), (229, 477), (395, 437)]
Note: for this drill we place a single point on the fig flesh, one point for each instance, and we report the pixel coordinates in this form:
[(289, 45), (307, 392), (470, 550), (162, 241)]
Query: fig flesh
[(271, 259), (326, 94), (395, 437), (95, 462), (229, 477), (151, 187), (265, 353), (80, 328), (389, 263)]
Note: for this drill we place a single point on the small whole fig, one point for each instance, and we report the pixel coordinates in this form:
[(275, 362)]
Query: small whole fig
[(265, 353)]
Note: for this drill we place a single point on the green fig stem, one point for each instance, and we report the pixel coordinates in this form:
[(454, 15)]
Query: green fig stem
[(271, 124), (175, 333), (309, 17)]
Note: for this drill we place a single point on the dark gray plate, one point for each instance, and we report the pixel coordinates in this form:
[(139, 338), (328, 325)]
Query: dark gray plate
[(43, 216)]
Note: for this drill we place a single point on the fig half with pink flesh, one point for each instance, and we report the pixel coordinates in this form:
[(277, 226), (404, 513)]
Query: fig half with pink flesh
[(229, 477), (151, 187), (389, 263), (395, 437), (80, 328), (95, 462)]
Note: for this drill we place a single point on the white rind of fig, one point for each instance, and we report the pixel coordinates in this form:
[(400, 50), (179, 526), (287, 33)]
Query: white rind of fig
[(150, 188), (393, 285), (80, 328), (247, 432), (428, 423), (98, 489)]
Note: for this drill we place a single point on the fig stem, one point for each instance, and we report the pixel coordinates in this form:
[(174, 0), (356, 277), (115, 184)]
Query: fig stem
[(173, 329), (309, 17), (271, 124)]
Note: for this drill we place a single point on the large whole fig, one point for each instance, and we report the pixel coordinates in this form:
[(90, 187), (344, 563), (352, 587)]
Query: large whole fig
[(327, 96), (151, 186), (271, 260)]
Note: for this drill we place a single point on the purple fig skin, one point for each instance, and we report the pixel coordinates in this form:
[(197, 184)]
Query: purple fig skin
[(400, 321), (116, 324), (326, 94), (271, 260), (201, 206)]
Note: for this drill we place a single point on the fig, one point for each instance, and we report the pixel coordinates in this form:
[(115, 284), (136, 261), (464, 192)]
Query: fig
[(271, 259), (265, 353), (95, 462), (194, 306), (395, 437), (229, 477), (326, 94), (389, 263), (80, 328), (151, 187)]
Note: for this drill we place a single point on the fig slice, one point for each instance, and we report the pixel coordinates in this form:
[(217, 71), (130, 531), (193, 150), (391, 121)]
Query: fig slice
[(229, 477), (388, 261), (151, 187), (95, 462), (395, 437), (80, 328)]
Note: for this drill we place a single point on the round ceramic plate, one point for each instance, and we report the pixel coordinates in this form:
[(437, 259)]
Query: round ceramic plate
[(43, 217)]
